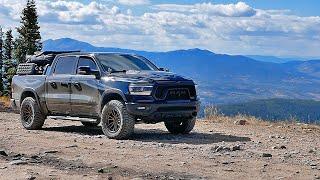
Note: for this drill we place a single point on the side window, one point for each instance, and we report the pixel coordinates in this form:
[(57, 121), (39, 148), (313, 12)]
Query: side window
[(86, 61), (65, 65)]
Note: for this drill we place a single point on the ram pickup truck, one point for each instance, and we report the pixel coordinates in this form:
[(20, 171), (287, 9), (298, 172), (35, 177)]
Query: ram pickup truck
[(116, 89)]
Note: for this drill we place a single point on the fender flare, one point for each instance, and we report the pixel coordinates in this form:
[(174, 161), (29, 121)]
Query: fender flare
[(111, 92), (36, 98)]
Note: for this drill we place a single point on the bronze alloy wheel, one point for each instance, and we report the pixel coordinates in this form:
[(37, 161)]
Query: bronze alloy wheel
[(116, 122), (113, 122), (27, 114), (30, 114)]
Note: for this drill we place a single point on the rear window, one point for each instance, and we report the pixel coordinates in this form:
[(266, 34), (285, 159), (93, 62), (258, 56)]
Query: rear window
[(66, 65)]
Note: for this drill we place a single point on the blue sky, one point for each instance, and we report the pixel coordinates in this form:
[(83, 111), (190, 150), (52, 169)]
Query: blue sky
[(286, 28), (300, 7)]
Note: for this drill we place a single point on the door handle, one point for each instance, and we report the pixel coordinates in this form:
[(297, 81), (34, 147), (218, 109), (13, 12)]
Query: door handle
[(53, 84), (77, 85), (64, 84)]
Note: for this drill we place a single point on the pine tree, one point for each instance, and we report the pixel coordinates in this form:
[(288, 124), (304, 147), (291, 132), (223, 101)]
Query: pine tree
[(1, 62), (9, 65), (8, 46), (29, 40)]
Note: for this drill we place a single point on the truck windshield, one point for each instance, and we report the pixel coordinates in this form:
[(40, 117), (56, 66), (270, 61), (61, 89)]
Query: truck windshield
[(122, 63)]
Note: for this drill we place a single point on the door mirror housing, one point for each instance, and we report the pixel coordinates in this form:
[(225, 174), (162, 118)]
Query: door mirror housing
[(164, 69), (86, 70)]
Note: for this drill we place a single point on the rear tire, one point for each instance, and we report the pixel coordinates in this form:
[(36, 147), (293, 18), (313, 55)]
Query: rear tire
[(116, 122), (30, 114), (180, 127)]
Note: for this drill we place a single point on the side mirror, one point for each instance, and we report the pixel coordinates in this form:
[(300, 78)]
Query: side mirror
[(164, 69), (86, 70)]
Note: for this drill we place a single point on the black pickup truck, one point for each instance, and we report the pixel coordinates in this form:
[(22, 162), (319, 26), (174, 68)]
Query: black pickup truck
[(116, 89)]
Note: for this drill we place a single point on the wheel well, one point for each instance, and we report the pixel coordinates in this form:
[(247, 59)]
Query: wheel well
[(109, 97), (27, 94)]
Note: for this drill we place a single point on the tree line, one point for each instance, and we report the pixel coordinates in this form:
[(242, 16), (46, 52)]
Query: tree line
[(13, 50)]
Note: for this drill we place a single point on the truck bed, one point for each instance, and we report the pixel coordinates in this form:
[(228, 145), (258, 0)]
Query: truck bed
[(35, 83)]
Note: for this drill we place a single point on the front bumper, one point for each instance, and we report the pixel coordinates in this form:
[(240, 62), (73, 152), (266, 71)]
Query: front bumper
[(157, 112)]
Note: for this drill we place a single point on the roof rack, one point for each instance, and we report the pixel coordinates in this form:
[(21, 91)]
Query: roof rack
[(39, 53), (42, 58)]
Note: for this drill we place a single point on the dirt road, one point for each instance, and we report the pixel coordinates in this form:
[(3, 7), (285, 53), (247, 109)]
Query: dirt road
[(67, 150)]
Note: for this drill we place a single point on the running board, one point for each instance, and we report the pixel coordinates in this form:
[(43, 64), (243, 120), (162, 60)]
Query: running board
[(69, 118)]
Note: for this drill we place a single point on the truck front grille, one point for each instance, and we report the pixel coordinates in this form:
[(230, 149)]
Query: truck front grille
[(175, 92)]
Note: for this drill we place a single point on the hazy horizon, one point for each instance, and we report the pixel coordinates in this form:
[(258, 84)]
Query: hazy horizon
[(297, 58)]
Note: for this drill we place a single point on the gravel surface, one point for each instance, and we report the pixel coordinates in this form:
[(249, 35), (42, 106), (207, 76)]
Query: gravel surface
[(67, 150)]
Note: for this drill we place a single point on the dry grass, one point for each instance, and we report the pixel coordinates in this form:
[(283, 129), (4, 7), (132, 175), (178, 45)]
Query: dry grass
[(228, 119), (5, 101), (212, 115)]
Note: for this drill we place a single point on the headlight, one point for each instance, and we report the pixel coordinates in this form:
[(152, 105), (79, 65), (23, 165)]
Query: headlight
[(140, 89)]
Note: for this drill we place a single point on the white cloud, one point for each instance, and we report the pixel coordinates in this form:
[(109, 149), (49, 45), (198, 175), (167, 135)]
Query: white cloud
[(129, 11), (231, 28), (73, 12), (231, 10), (115, 10), (134, 2)]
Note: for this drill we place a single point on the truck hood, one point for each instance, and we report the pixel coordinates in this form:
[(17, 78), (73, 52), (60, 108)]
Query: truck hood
[(149, 76)]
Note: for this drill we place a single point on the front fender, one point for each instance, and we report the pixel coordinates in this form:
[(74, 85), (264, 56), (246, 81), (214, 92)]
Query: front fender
[(111, 94)]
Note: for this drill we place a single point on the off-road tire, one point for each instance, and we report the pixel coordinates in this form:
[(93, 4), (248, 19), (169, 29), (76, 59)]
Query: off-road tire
[(126, 121), (30, 108), (91, 124), (180, 127)]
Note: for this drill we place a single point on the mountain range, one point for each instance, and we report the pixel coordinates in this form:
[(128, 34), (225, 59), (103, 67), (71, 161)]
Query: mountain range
[(225, 79), (274, 59)]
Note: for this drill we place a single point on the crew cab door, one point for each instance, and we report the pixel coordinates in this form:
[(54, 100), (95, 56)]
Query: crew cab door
[(58, 85), (85, 96)]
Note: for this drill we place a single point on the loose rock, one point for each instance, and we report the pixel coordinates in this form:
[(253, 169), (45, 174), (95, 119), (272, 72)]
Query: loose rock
[(221, 149), (279, 147), (51, 151), (236, 148), (161, 145), (283, 147), (3, 152), (311, 151), (107, 169), (18, 162), (266, 155), (31, 177), (313, 164), (240, 122), (72, 146), (101, 170), (35, 157)]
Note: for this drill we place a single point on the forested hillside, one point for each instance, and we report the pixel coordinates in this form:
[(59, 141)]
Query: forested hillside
[(277, 109)]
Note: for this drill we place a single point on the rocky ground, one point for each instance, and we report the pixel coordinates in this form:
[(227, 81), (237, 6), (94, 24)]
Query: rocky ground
[(67, 150)]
